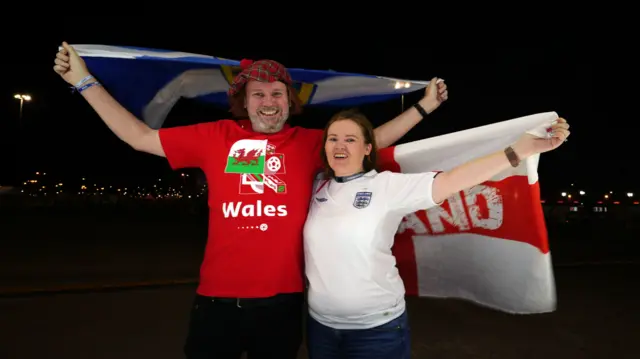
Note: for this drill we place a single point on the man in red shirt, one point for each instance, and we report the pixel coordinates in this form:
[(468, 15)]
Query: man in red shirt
[(260, 173)]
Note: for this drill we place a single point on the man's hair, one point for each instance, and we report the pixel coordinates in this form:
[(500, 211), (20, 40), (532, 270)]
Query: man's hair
[(369, 161), (238, 110)]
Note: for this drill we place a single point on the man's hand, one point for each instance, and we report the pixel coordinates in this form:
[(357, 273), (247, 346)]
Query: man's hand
[(69, 65), (435, 94)]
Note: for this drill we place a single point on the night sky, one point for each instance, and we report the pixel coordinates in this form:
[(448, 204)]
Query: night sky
[(490, 79)]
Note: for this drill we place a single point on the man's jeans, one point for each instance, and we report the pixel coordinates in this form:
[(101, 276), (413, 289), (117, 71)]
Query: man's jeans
[(388, 341)]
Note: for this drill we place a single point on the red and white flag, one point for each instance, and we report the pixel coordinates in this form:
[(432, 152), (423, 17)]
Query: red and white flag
[(487, 244)]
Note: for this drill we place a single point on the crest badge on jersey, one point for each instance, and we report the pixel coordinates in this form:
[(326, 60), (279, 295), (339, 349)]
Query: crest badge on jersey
[(258, 164), (362, 200)]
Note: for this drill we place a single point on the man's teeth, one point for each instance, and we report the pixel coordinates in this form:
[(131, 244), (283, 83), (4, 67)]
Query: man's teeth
[(268, 112)]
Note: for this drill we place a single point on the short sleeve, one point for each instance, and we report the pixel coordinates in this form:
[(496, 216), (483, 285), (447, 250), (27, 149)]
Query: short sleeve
[(186, 146), (409, 192), (314, 138)]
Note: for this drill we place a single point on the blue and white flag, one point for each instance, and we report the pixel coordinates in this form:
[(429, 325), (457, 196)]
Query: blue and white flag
[(487, 244), (149, 82)]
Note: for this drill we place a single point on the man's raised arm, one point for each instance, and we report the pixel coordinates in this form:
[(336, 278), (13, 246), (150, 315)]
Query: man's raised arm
[(390, 132), (70, 66)]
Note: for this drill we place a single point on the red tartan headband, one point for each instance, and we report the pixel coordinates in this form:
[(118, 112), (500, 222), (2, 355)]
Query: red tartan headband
[(262, 70)]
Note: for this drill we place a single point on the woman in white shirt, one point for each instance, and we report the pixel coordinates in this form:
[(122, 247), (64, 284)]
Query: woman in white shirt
[(356, 296)]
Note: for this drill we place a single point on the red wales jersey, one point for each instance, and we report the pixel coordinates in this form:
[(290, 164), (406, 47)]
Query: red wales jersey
[(259, 191)]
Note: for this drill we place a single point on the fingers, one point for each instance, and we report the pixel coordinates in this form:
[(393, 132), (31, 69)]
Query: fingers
[(443, 93), (559, 131), (62, 63), (68, 48), (560, 125), (62, 56), (438, 86), (60, 69), (561, 134), (62, 59), (432, 83)]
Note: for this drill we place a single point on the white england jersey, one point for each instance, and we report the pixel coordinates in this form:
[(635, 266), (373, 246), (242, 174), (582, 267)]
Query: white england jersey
[(350, 229)]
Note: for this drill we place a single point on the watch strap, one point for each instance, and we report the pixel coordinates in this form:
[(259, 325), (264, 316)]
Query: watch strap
[(512, 156), (421, 109)]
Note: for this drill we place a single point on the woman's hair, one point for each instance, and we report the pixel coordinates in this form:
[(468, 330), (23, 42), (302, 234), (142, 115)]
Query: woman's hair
[(369, 161), (237, 109)]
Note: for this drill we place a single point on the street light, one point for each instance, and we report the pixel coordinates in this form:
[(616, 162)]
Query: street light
[(22, 99)]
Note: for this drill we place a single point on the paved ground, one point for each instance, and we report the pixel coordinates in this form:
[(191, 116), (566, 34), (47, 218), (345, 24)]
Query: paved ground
[(597, 317), (53, 249)]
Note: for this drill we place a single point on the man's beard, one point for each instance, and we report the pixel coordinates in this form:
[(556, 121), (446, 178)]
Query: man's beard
[(272, 126)]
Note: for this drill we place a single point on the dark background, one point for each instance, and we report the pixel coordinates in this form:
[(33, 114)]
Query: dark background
[(55, 258), (492, 75)]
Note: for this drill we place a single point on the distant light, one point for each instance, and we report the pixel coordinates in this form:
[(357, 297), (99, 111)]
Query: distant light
[(564, 194), (629, 194), (582, 193), (401, 84), (22, 97)]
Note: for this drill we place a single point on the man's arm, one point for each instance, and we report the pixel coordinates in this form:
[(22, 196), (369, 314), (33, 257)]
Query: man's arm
[(390, 132), (123, 123), (71, 67)]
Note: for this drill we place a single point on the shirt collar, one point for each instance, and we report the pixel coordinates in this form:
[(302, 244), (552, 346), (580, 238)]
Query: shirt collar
[(246, 125)]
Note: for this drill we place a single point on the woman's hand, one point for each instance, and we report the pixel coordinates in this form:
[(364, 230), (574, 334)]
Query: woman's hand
[(529, 145)]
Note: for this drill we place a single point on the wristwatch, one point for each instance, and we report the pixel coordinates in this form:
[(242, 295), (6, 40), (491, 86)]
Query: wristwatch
[(512, 156)]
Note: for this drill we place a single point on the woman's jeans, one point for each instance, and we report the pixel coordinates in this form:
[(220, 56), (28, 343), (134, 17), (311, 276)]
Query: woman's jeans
[(388, 341)]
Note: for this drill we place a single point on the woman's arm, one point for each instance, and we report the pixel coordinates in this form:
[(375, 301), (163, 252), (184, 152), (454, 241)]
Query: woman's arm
[(390, 132), (482, 169)]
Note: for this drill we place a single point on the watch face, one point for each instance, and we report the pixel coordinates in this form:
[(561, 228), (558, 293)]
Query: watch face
[(511, 155)]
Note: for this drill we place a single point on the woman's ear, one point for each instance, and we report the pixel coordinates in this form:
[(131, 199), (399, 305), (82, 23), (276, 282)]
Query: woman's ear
[(369, 149)]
